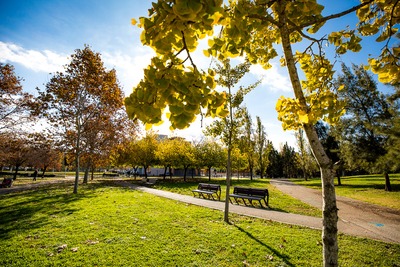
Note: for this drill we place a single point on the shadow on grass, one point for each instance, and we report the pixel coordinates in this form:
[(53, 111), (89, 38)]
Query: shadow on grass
[(284, 258), (33, 209)]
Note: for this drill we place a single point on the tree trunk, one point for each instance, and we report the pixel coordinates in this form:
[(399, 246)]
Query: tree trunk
[(145, 172), (92, 174), (329, 208), (228, 184), (184, 173), (86, 176), (388, 187), (16, 172), (76, 174), (209, 173), (165, 172), (339, 182), (44, 171)]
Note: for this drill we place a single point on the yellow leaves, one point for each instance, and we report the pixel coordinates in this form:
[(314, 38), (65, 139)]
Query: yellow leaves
[(386, 67), (322, 106), (303, 117), (320, 103), (133, 21), (345, 40)]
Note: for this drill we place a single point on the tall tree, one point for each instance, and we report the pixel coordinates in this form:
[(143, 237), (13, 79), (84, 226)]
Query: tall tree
[(145, 151), (183, 155), (227, 128), (14, 103), (262, 152), (305, 157), (289, 160), (274, 169), (16, 150), (45, 153), (166, 154), (210, 154), (77, 100), (368, 115), (255, 29), (247, 142)]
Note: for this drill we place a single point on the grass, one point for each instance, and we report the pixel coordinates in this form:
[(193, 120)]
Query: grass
[(105, 225), (277, 200), (368, 188)]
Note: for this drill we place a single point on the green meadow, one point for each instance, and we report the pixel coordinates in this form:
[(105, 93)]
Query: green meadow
[(107, 225)]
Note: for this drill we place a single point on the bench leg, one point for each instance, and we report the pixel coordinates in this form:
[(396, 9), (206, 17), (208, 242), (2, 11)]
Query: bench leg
[(244, 201)]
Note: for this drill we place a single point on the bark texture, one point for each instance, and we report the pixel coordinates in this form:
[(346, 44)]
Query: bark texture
[(329, 208)]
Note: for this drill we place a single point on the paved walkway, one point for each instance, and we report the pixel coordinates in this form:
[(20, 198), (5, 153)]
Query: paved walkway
[(355, 217)]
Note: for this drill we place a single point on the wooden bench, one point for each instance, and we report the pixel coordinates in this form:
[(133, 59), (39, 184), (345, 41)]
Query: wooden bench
[(208, 191), (110, 174), (7, 182), (149, 182), (250, 194)]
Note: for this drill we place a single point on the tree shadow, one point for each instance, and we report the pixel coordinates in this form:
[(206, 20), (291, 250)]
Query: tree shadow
[(283, 257), (33, 209)]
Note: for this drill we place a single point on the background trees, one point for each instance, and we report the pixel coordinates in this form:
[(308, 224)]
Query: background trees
[(261, 147), (210, 154), (14, 103), (364, 130), (144, 151), (79, 101)]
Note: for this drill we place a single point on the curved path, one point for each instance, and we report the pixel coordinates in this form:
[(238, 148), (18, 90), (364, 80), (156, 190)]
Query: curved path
[(355, 217)]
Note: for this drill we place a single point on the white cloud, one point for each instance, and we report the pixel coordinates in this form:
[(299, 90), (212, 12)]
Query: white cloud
[(272, 78), (38, 61), (129, 68)]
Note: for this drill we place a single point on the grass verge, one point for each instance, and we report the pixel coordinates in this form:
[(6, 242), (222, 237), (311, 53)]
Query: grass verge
[(368, 188), (111, 226)]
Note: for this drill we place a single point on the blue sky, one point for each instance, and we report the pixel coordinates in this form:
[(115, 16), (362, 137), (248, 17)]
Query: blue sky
[(38, 36)]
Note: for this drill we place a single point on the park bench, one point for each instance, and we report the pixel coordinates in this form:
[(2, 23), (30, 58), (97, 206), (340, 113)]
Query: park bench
[(208, 190), (149, 182), (7, 182), (112, 174), (243, 193)]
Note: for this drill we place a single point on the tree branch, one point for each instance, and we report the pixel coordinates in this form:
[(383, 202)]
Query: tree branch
[(333, 16)]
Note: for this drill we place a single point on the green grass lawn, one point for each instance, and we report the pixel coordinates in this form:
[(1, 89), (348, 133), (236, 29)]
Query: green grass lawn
[(368, 188), (277, 200), (111, 226)]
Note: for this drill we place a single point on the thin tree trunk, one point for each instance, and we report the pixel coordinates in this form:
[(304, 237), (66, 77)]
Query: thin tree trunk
[(16, 172), (145, 172), (330, 218), (92, 174), (44, 171), (86, 176), (388, 187), (184, 173), (209, 173), (228, 184), (76, 174)]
